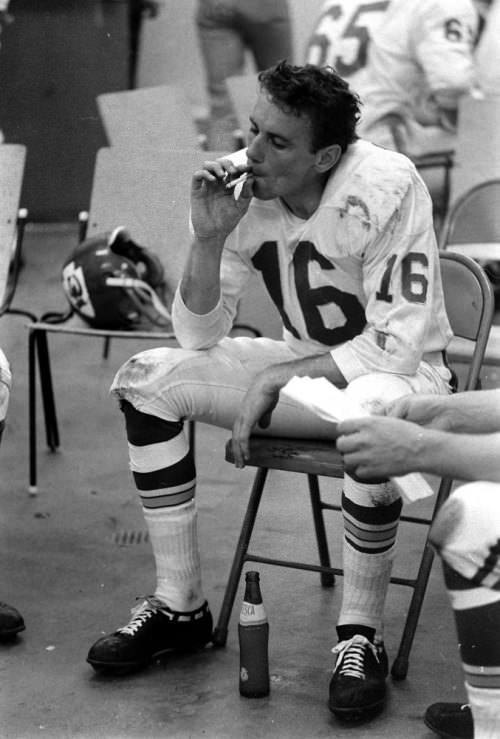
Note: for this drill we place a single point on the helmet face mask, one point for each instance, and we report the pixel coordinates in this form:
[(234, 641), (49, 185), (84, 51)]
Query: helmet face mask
[(115, 284)]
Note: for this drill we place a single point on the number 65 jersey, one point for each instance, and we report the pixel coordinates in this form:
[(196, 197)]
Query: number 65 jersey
[(359, 278)]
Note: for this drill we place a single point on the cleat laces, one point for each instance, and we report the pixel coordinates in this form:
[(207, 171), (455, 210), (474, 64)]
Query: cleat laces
[(351, 656), (142, 613)]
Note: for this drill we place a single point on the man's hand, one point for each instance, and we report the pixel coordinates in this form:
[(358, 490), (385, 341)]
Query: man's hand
[(257, 407), (379, 446), (215, 211), (427, 410)]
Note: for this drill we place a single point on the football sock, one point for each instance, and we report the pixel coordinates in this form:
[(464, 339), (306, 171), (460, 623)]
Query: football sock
[(371, 516), (164, 472), (477, 617)]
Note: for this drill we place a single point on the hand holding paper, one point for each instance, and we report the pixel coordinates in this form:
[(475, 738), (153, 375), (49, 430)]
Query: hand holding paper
[(332, 404)]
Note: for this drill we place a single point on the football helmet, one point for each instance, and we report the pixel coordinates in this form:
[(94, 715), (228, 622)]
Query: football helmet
[(113, 283)]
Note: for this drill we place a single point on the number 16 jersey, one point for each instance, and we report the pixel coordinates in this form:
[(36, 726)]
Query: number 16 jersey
[(359, 278)]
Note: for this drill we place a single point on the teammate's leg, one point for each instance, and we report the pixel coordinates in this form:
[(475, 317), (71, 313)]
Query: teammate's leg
[(466, 533)]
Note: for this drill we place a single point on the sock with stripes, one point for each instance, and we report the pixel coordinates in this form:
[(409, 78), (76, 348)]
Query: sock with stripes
[(165, 476), (371, 516), (477, 616)]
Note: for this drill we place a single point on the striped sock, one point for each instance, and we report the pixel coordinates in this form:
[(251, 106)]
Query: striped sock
[(477, 617), (371, 516), (164, 473)]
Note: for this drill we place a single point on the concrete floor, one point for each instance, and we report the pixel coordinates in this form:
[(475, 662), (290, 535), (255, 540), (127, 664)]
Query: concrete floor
[(73, 563)]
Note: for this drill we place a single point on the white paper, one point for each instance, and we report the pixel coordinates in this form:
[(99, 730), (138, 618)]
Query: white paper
[(332, 404)]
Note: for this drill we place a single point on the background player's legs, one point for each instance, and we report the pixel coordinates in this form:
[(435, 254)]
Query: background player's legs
[(223, 54), (466, 533)]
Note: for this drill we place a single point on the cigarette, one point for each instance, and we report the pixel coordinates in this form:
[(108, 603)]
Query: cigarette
[(238, 180)]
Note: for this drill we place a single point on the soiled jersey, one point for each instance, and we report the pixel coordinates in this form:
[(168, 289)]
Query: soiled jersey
[(359, 278), (419, 61)]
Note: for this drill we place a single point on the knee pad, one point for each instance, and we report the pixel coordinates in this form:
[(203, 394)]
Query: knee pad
[(143, 428)]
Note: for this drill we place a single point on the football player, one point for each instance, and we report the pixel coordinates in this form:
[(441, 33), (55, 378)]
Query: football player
[(341, 35), (341, 232), (419, 63), (11, 621)]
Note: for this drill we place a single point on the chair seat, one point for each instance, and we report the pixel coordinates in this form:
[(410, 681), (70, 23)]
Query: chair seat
[(308, 456)]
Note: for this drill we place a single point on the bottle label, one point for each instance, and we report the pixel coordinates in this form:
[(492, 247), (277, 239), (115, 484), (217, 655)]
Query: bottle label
[(252, 613)]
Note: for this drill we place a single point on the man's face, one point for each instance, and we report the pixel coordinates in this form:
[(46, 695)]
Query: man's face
[(280, 153)]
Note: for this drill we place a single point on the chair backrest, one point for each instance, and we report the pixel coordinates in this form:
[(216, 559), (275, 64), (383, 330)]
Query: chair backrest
[(470, 306), (12, 161), (147, 192), (148, 117), (474, 217)]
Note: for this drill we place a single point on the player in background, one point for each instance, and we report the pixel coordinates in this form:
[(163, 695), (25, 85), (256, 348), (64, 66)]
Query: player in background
[(342, 33), (411, 61), (341, 233), (11, 621)]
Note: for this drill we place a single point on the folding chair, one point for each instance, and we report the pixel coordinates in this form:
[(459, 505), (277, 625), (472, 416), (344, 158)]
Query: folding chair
[(469, 303), (472, 227)]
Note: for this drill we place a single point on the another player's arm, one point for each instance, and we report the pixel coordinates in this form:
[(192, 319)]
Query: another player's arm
[(468, 412), (445, 51), (381, 447)]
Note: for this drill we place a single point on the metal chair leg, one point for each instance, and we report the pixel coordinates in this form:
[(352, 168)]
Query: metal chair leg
[(399, 668), (327, 579), (219, 636), (32, 489), (49, 408)]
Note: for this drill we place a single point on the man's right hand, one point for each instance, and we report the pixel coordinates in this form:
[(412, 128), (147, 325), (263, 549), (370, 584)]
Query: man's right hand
[(215, 211)]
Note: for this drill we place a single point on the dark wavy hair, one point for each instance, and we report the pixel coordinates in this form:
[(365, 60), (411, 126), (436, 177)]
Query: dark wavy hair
[(318, 93)]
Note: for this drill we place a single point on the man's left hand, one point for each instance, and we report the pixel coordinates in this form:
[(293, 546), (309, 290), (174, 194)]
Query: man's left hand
[(257, 407)]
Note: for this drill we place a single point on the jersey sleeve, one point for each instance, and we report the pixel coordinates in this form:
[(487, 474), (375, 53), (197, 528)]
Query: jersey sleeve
[(195, 331), (443, 41), (401, 281)]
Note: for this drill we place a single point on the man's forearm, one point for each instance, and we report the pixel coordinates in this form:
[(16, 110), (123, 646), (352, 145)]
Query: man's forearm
[(475, 412), (200, 283), (460, 456)]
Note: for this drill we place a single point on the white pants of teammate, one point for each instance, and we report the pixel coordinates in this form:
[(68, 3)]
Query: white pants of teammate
[(208, 386), (466, 532)]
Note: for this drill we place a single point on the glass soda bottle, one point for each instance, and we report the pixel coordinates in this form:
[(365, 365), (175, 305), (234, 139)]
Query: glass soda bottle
[(253, 634)]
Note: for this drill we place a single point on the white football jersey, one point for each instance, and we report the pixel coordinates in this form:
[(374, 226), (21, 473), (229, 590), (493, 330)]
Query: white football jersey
[(420, 61), (360, 277), (341, 35)]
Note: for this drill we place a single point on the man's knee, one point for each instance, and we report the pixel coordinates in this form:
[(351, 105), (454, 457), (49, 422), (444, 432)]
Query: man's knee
[(144, 429), (144, 372)]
